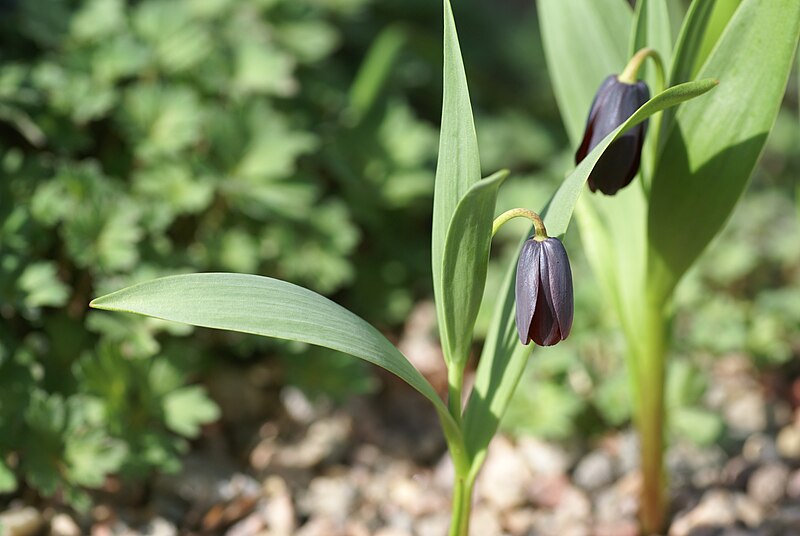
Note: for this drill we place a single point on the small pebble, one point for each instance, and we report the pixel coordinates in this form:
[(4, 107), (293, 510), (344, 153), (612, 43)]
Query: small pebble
[(485, 521), (543, 458), (546, 490), (433, 525), (329, 496), (628, 455), (574, 505), (325, 440), (620, 501), (504, 477), (63, 525), (159, 526), (279, 512), (747, 510), (318, 526), (759, 448), (768, 483), (793, 485), (519, 522), (737, 472), (789, 443), (617, 528), (392, 531), (23, 522), (746, 412), (716, 508), (594, 471), (252, 524)]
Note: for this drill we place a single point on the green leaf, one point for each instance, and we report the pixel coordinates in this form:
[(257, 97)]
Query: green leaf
[(699, 425), (713, 145), (375, 71), (559, 209), (720, 16), (700, 30), (187, 408), (690, 41), (546, 409), (503, 358), (502, 362), (614, 236), (584, 42), (459, 165), (575, 85), (90, 456), (465, 263), (41, 285), (652, 29), (271, 308), (8, 480)]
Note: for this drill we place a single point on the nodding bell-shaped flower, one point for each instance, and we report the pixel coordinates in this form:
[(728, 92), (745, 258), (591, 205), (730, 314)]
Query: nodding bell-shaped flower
[(544, 292), (613, 104)]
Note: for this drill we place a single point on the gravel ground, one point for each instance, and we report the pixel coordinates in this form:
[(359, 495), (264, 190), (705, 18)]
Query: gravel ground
[(378, 466)]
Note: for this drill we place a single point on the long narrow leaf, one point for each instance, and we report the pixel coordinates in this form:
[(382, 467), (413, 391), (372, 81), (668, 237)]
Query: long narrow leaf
[(701, 29), (502, 362), (503, 358), (652, 29), (271, 308), (714, 144), (690, 40), (459, 166), (587, 40), (606, 46), (374, 71), (559, 211), (466, 260)]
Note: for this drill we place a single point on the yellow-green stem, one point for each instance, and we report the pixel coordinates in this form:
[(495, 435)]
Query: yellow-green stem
[(629, 75), (462, 505), (650, 418), (538, 224), (455, 385)]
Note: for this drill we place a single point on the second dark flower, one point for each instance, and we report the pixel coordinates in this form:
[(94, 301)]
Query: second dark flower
[(613, 104)]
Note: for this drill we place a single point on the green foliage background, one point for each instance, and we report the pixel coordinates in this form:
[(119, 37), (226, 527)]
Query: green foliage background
[(295, 139), (290, 138)]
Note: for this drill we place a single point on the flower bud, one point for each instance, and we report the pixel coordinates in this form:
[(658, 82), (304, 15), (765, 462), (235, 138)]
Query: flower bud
[(613, 104), (544, 292)]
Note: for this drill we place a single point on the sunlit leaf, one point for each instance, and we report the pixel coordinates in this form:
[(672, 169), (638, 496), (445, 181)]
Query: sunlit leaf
[(271, 308), (459, 165), (503, 358), (584, 42), (713, 145), (466, 259)]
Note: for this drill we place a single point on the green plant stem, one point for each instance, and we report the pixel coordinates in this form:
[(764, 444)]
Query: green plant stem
[(629, 75), (462, 483), (455, 385), (650, 418), (538, 224), (462, 505)]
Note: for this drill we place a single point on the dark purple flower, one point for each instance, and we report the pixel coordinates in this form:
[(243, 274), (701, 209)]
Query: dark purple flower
[(544, 292), (614, 103)]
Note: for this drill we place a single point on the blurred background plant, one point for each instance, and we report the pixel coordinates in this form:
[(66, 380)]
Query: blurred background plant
[(297, 139), (140, 139)]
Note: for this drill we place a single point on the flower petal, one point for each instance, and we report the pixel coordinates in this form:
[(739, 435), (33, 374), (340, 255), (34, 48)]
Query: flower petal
[(560, 284), (527, 287), (544, 328)]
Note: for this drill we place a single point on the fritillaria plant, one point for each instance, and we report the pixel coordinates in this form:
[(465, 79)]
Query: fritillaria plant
[(696, 160), (463, 226)]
